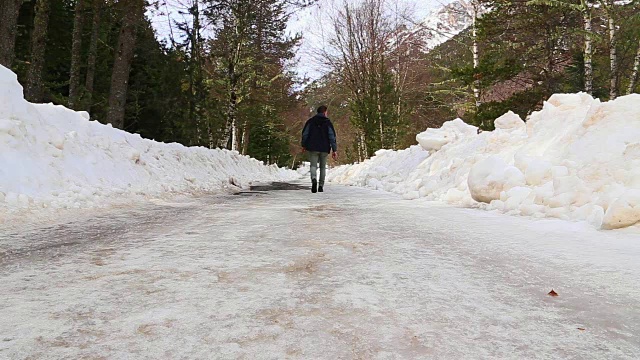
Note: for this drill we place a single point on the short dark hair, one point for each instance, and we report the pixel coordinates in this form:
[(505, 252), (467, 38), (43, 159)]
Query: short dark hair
[(322, 109)]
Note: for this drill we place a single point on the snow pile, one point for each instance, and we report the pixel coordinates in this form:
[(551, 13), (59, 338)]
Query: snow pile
[(304, 169), (576, 159), (53, 157)]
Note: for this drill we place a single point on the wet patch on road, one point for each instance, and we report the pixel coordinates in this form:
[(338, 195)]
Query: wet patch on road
[(279, 186), (85, 234), (321, 211), (250, 193), (263, 189)]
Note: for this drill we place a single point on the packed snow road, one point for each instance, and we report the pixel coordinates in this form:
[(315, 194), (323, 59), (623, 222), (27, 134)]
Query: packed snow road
[(280, 273)]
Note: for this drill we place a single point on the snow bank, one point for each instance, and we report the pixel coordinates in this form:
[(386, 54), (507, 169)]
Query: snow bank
[(53, 157), (304, 169), (576, 159)]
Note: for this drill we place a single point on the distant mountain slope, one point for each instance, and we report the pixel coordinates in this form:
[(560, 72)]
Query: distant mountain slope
[(443, 24)]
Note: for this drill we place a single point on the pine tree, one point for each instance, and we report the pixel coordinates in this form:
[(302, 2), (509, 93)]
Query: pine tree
[(233, 19), (585, 10), (198, 122), (249, 34)]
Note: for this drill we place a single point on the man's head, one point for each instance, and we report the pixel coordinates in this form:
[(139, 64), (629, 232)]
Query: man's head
[(322, 109)]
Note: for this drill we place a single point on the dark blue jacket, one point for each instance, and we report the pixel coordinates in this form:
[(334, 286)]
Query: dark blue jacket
[(318, 134)]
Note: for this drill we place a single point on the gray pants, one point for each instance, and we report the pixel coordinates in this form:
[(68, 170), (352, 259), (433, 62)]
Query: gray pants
[(314, 158)]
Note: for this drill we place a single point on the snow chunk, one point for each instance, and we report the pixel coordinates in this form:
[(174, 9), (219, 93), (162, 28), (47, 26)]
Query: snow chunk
[(435, 139), (490, 177), (623, 212), (509, 121)]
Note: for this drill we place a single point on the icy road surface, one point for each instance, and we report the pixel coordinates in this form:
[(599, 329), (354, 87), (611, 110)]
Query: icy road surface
[(286, 274)]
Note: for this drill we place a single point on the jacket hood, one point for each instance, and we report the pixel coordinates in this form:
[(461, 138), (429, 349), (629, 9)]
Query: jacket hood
[(319, 118)]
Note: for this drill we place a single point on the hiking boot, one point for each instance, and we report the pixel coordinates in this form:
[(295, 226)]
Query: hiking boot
[(314, 185), (320, 189)]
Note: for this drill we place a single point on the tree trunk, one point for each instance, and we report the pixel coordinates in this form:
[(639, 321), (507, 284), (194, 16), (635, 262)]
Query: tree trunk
[(476, 57), (93, 53), (233, 99), (231, 113), (362, 147), (359, 146), (212, 142), (245, 137), (122, 63), (196, 92), (235, 144), (550, 54), (227, 138), (379, 113), (234, 136), (634, 75), (588, 52), (76, 55), (33, 89), (9, 10), (233, 87), (613, 58), (224, 141)]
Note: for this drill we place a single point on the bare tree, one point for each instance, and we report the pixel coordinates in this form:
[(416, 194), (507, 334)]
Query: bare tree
[(360, 53), (407, 66)]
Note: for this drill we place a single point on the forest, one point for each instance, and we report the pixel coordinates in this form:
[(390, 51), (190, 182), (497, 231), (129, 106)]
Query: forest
[(225, 73)]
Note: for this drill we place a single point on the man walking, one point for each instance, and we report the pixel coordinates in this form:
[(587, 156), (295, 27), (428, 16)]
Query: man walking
[(319, 139)]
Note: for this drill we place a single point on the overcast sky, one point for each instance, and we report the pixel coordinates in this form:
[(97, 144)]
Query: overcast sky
[(308, 22)]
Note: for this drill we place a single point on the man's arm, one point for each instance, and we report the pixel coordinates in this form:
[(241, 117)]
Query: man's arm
[(305, 135), (332, 138)]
